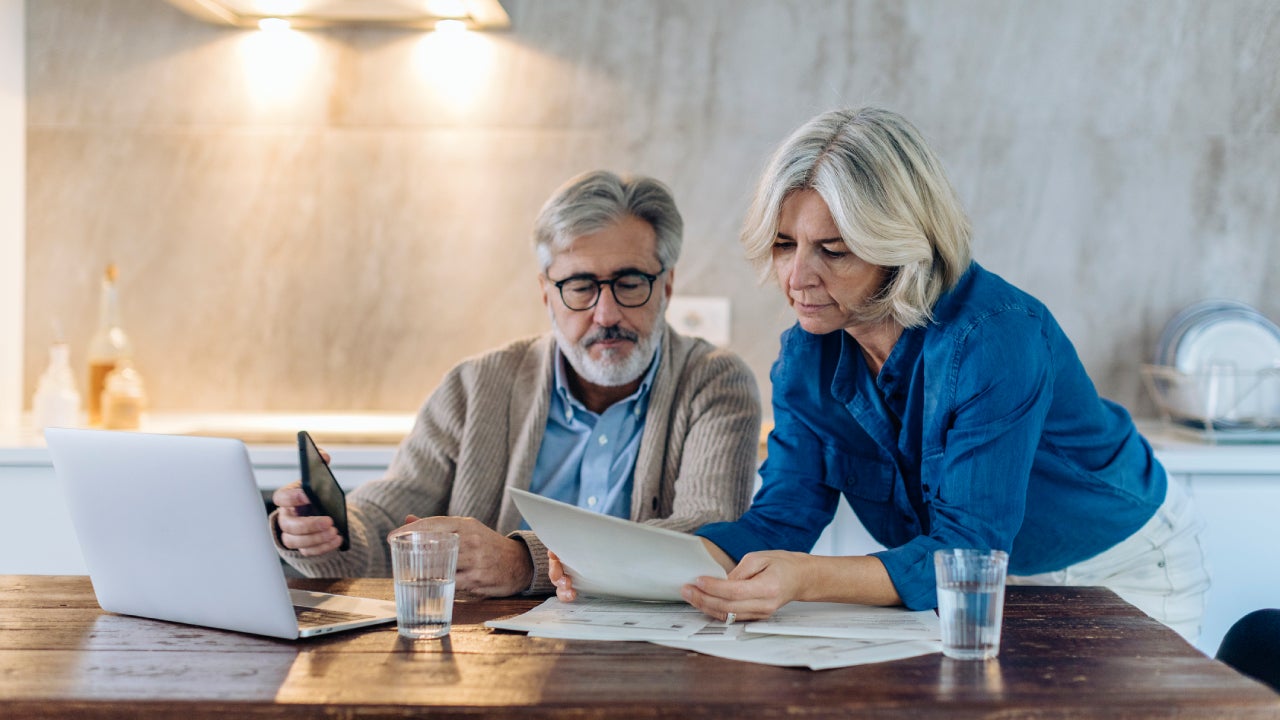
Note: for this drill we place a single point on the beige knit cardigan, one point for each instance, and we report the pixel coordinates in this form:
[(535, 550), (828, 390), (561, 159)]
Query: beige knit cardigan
[(480, 432)]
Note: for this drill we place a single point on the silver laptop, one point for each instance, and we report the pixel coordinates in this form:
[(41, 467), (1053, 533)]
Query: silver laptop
[(174, 528)]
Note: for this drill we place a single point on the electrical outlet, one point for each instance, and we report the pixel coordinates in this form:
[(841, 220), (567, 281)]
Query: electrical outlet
[(706, 317)]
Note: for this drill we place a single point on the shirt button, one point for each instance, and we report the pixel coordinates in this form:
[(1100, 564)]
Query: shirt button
[(591, 501), (604, 440)]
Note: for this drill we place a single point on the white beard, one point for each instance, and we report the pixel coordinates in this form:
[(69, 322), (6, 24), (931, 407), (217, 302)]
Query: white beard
[(615, 368)]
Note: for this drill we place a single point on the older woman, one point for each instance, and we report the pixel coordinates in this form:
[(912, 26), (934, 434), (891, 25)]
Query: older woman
[(944, 404)]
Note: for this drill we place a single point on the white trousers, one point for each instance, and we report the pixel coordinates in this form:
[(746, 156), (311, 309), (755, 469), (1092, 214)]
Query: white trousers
[(1160, 568)]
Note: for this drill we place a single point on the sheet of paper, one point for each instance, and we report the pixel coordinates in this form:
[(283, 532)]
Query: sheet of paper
[(611, 557), (680, 626), (839, 620), (601, 619), (814, 653)]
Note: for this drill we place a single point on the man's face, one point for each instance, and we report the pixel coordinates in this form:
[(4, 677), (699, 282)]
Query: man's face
[(609, 345)]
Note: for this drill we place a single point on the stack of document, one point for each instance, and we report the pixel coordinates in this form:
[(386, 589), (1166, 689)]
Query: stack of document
[(629, 577), (813, 635)]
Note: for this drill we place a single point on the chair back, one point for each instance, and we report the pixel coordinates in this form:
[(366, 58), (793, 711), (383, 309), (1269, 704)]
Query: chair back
[(1252, 646)]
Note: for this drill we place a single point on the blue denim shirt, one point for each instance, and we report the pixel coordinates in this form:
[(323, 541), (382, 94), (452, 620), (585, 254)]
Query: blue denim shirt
[(981, 430)]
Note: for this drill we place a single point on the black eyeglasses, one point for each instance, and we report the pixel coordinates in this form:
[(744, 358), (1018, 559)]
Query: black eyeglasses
[(630, 289)]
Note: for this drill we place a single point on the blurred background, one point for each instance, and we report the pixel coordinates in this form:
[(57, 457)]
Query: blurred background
[(330, 219)]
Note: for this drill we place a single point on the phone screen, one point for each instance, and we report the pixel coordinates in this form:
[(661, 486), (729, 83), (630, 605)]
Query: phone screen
[(322, 487)]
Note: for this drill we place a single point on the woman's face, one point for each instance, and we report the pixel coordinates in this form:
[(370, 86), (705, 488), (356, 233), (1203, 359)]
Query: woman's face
[(824, 282)]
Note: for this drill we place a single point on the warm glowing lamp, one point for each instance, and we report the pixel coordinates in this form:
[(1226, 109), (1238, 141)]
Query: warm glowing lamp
[(450, 25), (273, 24)]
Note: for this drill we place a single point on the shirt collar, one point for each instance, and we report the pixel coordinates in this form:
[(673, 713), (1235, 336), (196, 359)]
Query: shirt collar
[(898, 366), (894, 374), (570, 404)]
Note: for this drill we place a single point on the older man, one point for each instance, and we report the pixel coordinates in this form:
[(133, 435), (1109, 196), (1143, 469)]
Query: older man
[(612, 411)]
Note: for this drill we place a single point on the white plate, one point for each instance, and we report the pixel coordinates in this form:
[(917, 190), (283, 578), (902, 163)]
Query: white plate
[(1228, 341), (1192, 317), (1186, 318)]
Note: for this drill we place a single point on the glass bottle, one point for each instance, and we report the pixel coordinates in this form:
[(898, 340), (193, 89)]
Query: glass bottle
[(57, 402), (123, 398), (109, 345)]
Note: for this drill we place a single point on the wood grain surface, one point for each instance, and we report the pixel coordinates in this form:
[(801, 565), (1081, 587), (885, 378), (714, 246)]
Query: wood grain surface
[(1066, 653)]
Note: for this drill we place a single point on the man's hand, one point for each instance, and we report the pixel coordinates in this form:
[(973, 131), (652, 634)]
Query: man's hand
[(310, 535), (563, 583), (489, 564)]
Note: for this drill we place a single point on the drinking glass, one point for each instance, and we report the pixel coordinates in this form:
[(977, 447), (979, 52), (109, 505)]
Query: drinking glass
[(970, 601), (423, 565)]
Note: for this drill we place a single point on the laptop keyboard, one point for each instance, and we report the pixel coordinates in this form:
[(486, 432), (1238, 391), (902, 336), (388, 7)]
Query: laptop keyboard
[(315, 617)]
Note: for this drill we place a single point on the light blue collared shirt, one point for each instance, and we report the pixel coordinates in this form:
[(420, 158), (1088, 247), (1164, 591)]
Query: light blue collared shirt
[(588, 459)]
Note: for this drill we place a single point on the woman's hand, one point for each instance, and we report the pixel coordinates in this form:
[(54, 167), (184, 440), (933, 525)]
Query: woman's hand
[(563, 583), (758, 586)]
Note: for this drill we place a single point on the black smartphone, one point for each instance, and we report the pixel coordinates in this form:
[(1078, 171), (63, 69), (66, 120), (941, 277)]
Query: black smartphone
[(321, 487)]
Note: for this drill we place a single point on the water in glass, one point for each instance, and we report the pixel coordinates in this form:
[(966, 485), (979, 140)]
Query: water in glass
[(970, 615), (424, 608)]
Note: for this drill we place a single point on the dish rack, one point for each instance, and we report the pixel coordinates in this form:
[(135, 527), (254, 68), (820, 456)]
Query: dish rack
[(1220, 404)]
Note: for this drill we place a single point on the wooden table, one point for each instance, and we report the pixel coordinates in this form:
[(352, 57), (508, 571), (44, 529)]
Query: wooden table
[(1067, 652)]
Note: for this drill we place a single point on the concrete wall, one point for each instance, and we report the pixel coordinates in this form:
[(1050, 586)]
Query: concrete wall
[(330, 220)]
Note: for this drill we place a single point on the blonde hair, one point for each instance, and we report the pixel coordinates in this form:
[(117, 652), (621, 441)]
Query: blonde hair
[(888, 196)]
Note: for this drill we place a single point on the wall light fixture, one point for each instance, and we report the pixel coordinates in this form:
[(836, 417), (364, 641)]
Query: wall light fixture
[(306, 14), (273, 24)]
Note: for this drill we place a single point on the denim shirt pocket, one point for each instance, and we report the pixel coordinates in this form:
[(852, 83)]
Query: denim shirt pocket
[(862, 475)]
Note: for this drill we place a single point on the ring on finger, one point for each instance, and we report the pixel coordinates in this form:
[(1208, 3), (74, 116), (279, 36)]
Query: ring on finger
[(731, 618)]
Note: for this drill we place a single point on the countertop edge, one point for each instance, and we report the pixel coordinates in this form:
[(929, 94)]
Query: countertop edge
[(24, 448)]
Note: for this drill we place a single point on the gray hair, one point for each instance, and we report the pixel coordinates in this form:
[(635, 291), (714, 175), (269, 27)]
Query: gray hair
[(594, 200), (888, 196)]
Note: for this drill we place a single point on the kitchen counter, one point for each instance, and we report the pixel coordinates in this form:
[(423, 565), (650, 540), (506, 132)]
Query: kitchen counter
[(32, 506), (1182, 453), (362, 439), (368, 439)]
